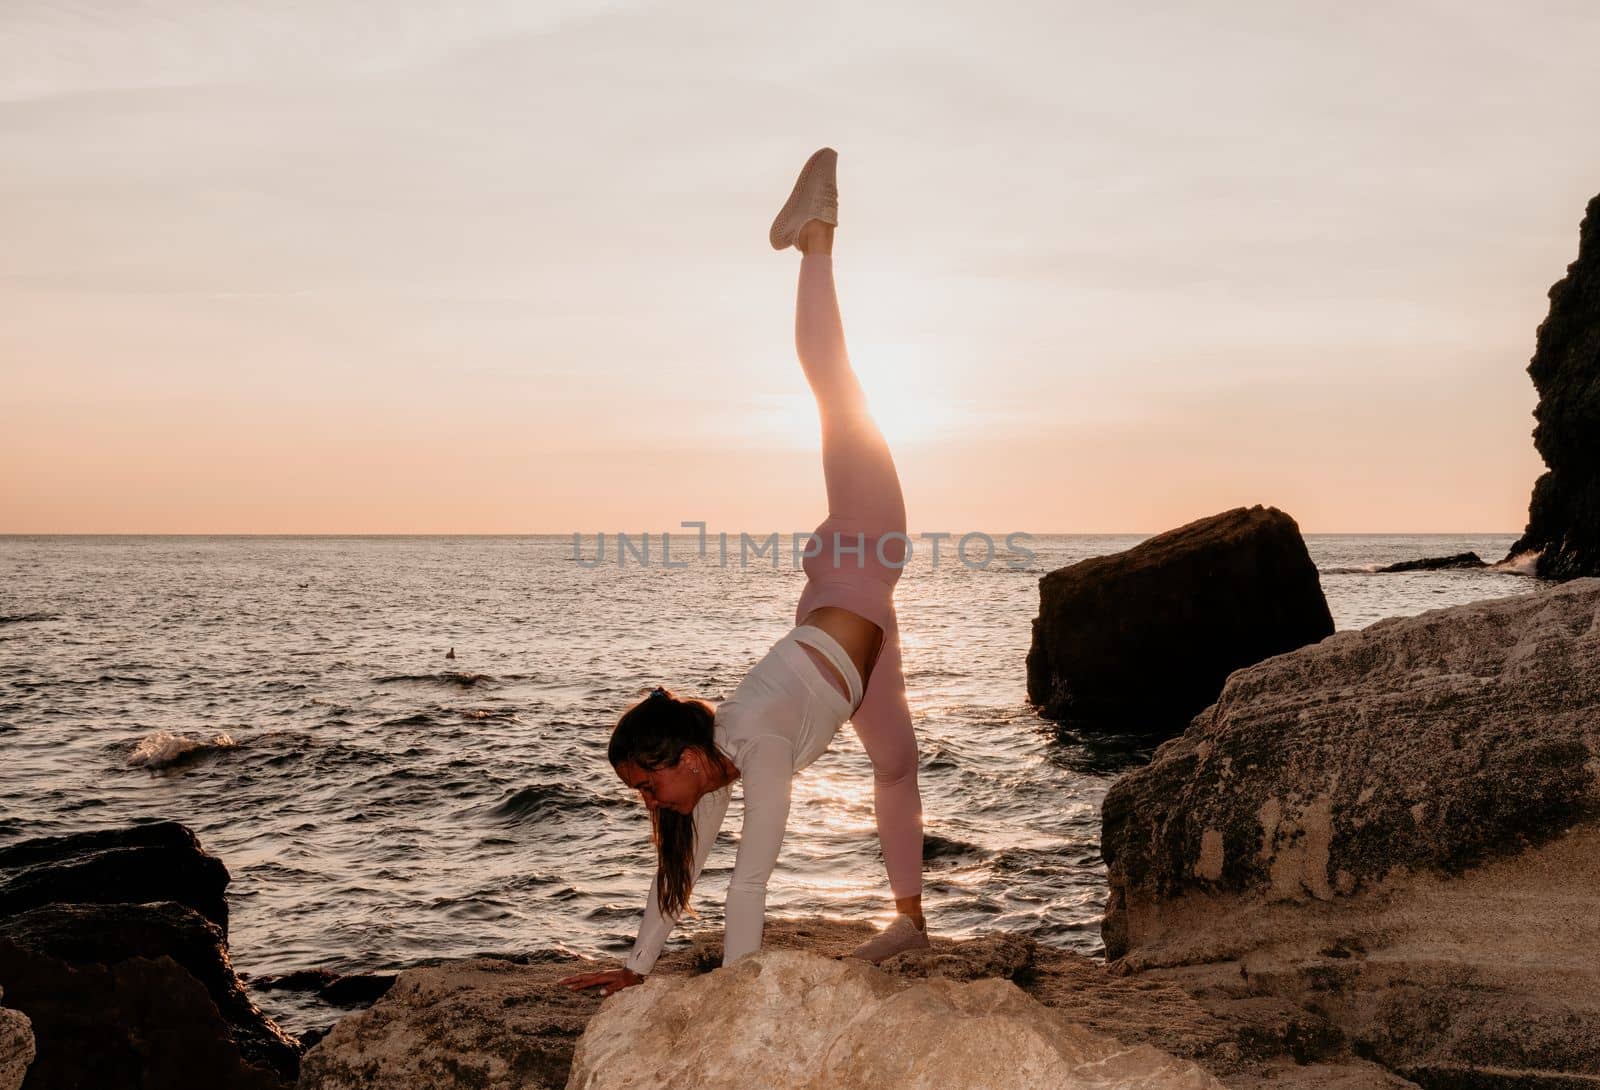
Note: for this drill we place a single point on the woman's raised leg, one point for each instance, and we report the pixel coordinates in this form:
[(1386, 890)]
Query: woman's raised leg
[(857, 468)]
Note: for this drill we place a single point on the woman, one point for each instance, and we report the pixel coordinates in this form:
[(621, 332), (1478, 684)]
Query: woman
[(841, 661)]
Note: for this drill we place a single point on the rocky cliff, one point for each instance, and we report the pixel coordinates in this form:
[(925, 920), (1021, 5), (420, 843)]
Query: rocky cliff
[(1564, 514), (1397, 830)]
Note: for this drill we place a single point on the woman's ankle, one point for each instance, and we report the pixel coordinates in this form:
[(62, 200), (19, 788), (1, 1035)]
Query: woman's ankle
[(815, 237), (912, 907)]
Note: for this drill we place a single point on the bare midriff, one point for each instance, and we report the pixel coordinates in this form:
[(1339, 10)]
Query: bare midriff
[(860, 638)]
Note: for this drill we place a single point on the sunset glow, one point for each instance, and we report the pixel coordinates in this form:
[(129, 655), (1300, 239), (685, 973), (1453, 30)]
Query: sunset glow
[(387, 275)]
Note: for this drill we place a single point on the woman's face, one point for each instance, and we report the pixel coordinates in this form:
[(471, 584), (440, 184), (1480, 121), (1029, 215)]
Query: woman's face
[(674, 787)]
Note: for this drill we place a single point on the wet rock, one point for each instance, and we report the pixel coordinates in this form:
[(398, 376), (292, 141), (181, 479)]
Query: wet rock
[(1397, 831), (301, 980), (354, 990), (1436, 563), (357, 989), (1564, 513), (1142, 640), (161, 861), (124, 995), (784, 1018), (16, 1047)]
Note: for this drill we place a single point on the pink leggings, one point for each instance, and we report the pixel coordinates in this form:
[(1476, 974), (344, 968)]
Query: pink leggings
[(860, 548)]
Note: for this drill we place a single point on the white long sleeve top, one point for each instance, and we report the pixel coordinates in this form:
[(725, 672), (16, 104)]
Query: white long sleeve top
[(780, 719)]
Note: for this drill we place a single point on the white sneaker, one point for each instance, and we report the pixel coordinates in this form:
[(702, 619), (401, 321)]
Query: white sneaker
[(901, 935), (815, 197)]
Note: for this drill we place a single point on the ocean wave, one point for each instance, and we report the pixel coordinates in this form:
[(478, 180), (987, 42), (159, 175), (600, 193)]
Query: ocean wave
[(1524, 563), (447, 677), (540, 802), (946, 849), (163, 749), (24, 618), (420, 719), (499, 715)]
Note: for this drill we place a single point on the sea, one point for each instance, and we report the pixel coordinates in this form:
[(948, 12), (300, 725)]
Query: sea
[(396, 744)]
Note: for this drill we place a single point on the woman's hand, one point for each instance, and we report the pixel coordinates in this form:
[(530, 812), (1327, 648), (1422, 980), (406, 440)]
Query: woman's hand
[(612, 980)]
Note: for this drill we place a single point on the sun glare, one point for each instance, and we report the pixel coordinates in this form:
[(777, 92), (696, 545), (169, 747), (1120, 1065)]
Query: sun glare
[(903, 391)]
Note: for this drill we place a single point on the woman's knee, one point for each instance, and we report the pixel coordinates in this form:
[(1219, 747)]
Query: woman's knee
[(894, 761)]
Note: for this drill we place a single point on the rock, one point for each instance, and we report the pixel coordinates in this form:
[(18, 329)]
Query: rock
[(487, 1019), (357, 989), (1564, 513), (788, 1019), (1398, 832), (162, 861), (1436, 563), (16, 1047), (114, 943), (353, 990), (301, 980), (482, 1023), (1349, 1075), (1142, 640), (136, 996)]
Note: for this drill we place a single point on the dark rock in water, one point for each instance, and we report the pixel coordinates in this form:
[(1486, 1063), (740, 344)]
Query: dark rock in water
[(137, 996), (1564, 514), (357, 989), (162, 861), (1142, 640), (1437, 563), (302, 980), (354, 990), (1397, 830)]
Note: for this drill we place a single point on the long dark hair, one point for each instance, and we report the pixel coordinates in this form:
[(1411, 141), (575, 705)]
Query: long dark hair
[(653, 734)]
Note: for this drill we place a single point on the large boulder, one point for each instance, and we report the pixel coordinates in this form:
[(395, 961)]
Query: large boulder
[(790, 1020), (16, 1047), (1564, 514), (1142, 640), (114, 944), (160, 861), (137, 996), (502, 1023), (1397, 829)]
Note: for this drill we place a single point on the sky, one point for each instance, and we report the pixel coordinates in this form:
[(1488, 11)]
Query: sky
[(385, 266)]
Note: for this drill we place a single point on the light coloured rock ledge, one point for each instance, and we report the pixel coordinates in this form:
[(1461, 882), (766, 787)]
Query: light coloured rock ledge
[(1397, 832), (497, 1025), (793, 1020)]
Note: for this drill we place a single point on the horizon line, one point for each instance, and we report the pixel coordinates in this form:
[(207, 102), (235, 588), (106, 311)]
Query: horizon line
[(710, 533)]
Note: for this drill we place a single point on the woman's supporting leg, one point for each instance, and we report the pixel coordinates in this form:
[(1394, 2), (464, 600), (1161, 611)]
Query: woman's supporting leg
[(883, 723)]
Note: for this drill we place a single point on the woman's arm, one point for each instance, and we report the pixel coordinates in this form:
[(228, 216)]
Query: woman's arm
[(653, 931), (767, 769)]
